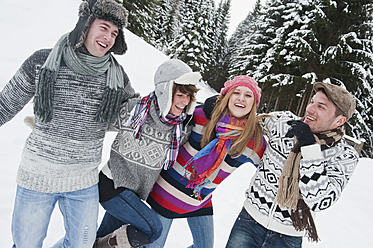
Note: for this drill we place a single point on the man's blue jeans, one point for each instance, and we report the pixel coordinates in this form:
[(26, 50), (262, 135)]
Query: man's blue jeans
[(202, 228), (246, 232), (32, 212), (128, 208)]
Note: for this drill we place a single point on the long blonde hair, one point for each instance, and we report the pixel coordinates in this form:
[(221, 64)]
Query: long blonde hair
[(252, 127)]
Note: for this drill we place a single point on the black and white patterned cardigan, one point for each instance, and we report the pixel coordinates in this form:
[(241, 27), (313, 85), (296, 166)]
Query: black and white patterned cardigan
[(323, 176)]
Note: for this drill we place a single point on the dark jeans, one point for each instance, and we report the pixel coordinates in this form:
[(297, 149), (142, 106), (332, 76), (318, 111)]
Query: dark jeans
[(128, 208), (246, 232)]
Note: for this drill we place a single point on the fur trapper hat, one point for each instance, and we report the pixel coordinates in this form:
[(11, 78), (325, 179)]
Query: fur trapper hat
[(169, 72), (107, 10)]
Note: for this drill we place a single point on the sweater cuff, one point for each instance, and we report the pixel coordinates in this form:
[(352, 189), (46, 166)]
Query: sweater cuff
[(107, 172), (311, 151)]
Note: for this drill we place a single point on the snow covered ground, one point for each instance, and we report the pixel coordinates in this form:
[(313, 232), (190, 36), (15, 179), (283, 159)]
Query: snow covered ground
[(30, 25)]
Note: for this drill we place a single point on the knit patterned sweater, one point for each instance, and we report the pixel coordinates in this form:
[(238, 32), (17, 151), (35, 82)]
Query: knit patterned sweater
[(62, 155), (323, 176), (135, 164), (172, 199)]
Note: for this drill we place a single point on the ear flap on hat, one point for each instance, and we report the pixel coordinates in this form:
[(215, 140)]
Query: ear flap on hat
[(120, 45), (163, 91), (77, 35), (190, 108)]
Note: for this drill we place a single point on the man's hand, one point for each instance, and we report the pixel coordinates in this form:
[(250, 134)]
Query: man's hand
[(302, 131)]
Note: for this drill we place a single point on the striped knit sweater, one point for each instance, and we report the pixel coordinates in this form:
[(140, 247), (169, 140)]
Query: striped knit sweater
[(62, 155), (172, 199)]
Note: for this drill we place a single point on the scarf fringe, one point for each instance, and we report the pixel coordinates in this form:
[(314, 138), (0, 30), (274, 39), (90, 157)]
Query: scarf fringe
[(109, 106), (82, 64), (288, 188), (197, 188), (43, 100), (287, 195), (302, 220)]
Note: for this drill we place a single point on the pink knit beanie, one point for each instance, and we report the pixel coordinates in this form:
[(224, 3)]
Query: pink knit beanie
[(243, 81)]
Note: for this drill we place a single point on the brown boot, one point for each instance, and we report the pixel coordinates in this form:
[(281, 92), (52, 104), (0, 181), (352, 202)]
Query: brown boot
[(102, 242)]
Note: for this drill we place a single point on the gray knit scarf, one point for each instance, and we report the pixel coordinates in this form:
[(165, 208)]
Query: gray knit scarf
[(85, 65), (288, 194)]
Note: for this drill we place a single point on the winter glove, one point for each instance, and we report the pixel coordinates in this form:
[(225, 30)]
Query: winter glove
[(302, 131), (209, 106)]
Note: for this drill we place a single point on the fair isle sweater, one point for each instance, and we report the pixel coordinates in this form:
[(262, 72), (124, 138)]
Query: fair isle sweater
[(172, 199), (323, 176), (135, 164), (62, 155)]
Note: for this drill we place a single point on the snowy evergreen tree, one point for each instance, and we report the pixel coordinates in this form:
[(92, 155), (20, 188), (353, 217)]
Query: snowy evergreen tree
[(236, 46), (216, 72), (140, 17), (165, 23), (249, 44), (286, 68), (192, 42), (346, 57)]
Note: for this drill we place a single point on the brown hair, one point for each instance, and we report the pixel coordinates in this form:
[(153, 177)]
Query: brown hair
[(338, 111), (252, 127), (185, 89)]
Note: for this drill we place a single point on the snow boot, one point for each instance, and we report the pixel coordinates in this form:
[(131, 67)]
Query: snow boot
[(126, 236), (116, 239), (136, 237), (102, 242)]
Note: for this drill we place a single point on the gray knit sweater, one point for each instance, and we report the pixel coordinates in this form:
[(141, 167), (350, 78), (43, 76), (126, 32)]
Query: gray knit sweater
[(62, 155), (136, 164)]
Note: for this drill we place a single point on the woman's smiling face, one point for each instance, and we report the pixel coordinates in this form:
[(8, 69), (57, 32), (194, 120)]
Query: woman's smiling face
[(179, 102), (241, 101)]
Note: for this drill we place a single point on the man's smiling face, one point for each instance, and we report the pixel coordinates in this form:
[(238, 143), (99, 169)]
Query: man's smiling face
[(320, 114), (100, 37)]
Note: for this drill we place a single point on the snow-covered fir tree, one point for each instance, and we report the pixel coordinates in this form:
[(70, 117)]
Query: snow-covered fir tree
[(236, 45), (140, 17), (191, 43), (343, 29), (165, 23), (216, 72), (285, 71), (249, 44)]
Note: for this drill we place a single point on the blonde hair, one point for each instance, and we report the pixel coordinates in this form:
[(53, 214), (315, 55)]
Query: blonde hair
[(252, 127)]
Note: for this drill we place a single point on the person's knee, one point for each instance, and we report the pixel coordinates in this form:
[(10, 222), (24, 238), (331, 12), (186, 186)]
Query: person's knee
[(157, 229)]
